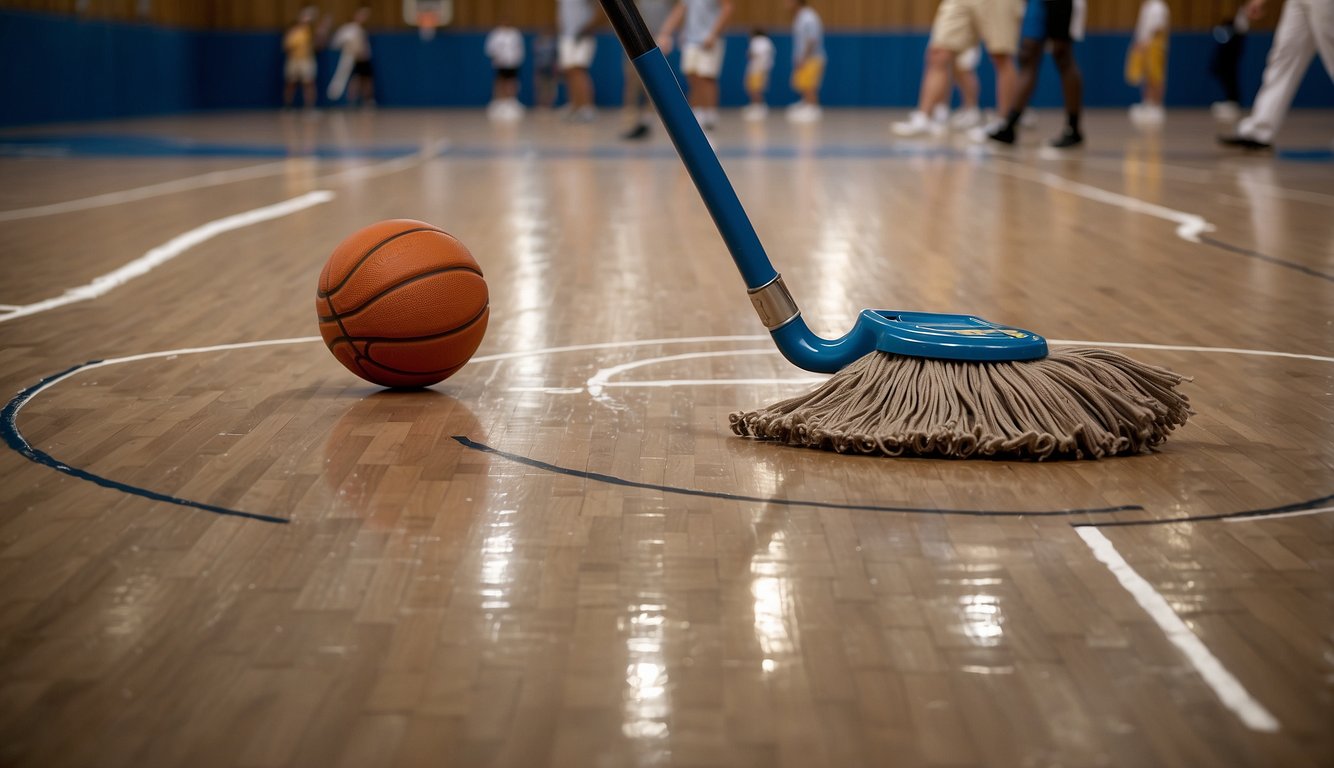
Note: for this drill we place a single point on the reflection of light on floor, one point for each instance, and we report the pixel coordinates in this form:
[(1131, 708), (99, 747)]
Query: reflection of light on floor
[(646, 703), (497, 550), (982, 619), (773, 602)]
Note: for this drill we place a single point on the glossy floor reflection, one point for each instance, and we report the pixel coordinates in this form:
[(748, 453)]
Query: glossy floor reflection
[(599, 574)]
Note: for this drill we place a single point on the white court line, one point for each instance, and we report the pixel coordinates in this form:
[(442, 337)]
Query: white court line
[(1298, 513), (211, 179), (358, 173), (1228, 689), (170, 250), (599, 381), (1189, 225)]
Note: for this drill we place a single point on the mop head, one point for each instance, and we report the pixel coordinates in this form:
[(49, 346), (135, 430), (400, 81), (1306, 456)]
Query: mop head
[(1072, 404)]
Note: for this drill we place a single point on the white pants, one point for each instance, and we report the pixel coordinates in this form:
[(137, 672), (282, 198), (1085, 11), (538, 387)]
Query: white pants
[(1306, 26)]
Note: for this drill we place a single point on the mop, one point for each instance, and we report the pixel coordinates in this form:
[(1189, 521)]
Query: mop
[(914, 383)]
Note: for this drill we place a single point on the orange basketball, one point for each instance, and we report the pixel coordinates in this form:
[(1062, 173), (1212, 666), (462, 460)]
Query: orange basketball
[(402, 304)]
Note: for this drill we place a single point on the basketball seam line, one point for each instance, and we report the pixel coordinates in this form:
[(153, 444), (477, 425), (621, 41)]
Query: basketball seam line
[(377, 339), (450, 369), (365, 304), (323, 294)]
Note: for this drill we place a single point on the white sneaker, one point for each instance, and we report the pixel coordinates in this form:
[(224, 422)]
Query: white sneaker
[(755, 112), (980, 134), (966, 118), (506, 111), (1148, 114), (1226, 111), (917, 124), (804, 113), (582, 115)]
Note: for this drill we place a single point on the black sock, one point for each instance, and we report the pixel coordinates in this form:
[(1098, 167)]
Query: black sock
[(1012, 119), (1072, 120)]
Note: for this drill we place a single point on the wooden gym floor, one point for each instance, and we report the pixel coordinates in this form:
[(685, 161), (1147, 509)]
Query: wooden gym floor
[(220, 551)]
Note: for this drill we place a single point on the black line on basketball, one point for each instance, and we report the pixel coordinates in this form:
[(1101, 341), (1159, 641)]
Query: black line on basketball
[(321, 293), (405, 281), (430, 337)]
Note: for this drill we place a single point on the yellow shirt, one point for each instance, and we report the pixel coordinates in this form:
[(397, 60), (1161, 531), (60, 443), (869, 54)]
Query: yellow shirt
[(299, 43)]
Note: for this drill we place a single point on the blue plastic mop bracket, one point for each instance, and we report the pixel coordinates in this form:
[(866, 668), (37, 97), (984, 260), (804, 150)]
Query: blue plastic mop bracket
[(919, 334)]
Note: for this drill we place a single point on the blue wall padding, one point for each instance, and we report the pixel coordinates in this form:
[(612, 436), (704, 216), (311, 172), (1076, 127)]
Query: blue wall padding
[(58, 68)]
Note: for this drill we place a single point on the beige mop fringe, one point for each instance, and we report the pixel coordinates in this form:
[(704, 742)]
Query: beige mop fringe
[(1075, 403)]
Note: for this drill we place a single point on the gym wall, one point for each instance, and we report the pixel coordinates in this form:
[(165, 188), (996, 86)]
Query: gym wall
[(77, 67)]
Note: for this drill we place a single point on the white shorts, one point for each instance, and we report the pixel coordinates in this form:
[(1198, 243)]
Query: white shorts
[(697, 61), (577, 52), (300, 70)]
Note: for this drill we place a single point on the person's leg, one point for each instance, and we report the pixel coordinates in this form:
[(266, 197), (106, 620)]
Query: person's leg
[(1006, 76), (1025, 81), (999, 22), (1294, 45), (308, 91), (952, 32), (709, 94), (1072, 83), (289, 92), (936, 80), (1323, 29), (969, 88)]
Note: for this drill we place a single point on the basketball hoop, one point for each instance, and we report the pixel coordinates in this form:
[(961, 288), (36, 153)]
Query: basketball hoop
[(426, 24), (428, 15)]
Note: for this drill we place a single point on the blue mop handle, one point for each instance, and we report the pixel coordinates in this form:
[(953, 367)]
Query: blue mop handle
[(700, 159), (702, 162), (770, 297)]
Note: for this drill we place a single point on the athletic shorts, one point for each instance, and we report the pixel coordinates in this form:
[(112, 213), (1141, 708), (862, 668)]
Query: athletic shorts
[(758, 81), (960, 24), (1061, 20), (809, 75), (701, 62), (300, 71), (1147, 65), (577, 52), (363, 69), (508, 73)]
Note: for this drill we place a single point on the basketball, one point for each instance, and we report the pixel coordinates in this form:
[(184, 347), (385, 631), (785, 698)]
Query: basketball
[(402, 304)]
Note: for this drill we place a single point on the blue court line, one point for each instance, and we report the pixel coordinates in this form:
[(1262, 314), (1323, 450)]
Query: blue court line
[(131, 145), (1268, 259), (161, 146), (15, 440), (613, 480)]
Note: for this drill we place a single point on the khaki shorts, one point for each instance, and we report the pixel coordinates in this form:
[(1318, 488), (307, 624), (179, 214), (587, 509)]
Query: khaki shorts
[(300, 70), (703, 62), (960, 24), (576, 52)]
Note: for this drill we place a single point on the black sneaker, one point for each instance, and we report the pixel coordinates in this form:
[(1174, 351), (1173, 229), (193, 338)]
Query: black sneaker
[(1068, 138), (637, 133), (1003, 134), (1244, 142)]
